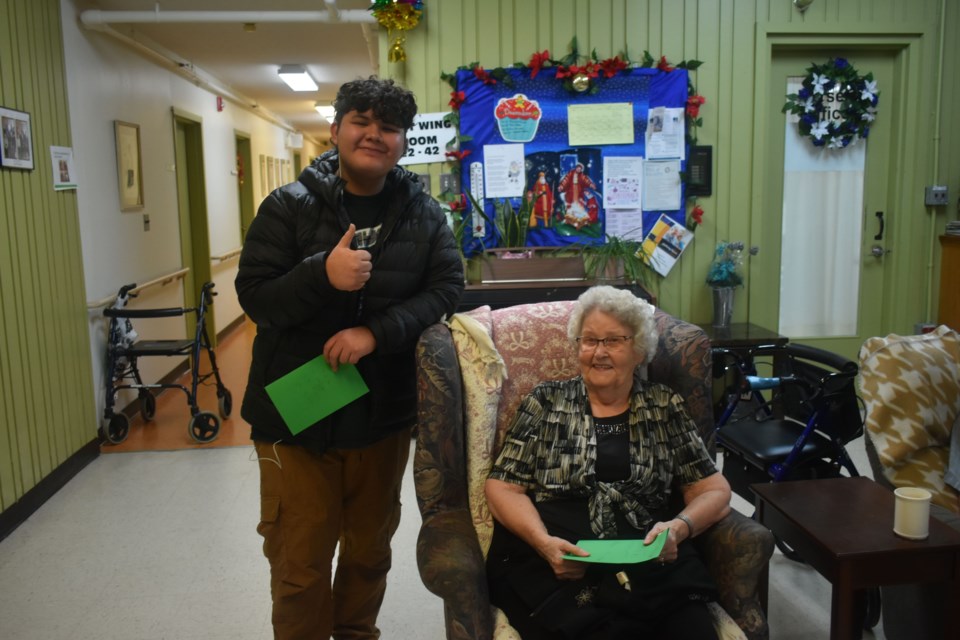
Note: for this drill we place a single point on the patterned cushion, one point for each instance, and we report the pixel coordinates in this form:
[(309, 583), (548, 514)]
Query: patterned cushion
[(911, 388)]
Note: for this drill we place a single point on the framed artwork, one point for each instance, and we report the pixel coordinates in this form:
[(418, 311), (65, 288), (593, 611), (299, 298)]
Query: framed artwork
[(129, 165), (16, 151)]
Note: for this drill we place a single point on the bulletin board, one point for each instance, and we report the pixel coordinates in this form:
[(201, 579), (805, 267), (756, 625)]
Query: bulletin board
[(594, 164)]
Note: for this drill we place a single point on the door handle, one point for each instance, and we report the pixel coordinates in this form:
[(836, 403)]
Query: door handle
[(878, 252), (879, 235)]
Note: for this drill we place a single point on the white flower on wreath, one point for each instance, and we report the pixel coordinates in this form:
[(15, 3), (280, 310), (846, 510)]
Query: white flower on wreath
[(819, 130), (869, 90), (818, 81), (870, 114), (835, 143), (808, 105)]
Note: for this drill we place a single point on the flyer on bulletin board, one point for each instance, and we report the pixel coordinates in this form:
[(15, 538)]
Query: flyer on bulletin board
[(313, 391)]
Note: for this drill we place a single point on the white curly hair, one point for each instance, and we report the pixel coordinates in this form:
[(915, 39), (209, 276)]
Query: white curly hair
[(628, 309)]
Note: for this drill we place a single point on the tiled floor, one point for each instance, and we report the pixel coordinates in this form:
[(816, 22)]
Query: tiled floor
[(161, 545)]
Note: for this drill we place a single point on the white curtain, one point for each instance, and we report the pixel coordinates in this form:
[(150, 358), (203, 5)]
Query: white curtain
[(821, 235)]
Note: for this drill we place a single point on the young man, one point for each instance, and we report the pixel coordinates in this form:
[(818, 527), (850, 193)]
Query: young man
[(352, 262)]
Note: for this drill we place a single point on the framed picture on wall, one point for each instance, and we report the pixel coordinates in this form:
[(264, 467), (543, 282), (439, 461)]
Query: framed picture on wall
[(129, 165), (16, 151)]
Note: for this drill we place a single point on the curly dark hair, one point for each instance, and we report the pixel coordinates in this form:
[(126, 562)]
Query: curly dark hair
[(390, 102)]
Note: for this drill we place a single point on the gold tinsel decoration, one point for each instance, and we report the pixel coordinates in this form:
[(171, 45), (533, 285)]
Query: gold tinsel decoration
[(397, 16)]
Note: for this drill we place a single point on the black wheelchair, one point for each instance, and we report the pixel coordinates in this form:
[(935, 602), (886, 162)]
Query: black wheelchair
[(124, 348)]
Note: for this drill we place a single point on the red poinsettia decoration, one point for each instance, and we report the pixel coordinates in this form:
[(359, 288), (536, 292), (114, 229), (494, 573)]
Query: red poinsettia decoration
[(693, 105), (457, 98), (663, 65), (458, 155), (459, 204), (612, 66), (696, 216), (538, 61), (483, 76)]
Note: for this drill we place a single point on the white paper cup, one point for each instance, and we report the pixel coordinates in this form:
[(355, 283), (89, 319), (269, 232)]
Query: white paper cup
[(911, 513)]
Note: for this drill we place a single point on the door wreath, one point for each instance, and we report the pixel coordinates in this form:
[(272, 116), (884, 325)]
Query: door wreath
[(835, 105)]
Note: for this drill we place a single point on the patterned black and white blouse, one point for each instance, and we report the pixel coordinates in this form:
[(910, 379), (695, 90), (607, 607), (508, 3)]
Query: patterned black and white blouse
[(551, 451)]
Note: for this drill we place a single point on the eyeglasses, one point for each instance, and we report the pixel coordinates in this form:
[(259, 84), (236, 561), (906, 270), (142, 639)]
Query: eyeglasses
[(612, 343)]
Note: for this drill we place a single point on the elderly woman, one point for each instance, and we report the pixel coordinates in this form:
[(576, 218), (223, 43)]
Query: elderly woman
[(601, 456)]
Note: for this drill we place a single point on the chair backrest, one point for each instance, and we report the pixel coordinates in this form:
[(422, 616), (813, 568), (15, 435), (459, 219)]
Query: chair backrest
[(911, 391), (532, 341), (828, 388)]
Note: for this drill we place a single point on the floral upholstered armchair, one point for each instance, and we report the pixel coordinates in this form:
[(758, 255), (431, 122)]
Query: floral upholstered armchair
[(472, 374)]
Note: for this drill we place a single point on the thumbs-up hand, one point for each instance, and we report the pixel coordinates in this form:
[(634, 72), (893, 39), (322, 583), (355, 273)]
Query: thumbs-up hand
[(348, 269)]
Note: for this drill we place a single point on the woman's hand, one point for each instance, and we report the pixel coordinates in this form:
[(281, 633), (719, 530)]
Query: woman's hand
[(552, 549), (669, 551)]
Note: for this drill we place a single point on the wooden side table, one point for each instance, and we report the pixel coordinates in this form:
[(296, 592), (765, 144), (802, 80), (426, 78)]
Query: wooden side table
[(843, 527)]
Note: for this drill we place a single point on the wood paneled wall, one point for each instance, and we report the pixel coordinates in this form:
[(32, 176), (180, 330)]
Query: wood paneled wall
[(46, 403), (727, 36)]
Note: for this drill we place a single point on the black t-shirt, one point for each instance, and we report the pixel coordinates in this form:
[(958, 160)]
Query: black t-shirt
[(365, 213)]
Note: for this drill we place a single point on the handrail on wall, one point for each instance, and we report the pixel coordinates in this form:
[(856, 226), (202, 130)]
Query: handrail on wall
[(223, 257), (162, 280)]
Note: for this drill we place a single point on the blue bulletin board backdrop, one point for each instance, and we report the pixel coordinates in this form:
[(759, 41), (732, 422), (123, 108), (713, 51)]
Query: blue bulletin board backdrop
[(549, 151)]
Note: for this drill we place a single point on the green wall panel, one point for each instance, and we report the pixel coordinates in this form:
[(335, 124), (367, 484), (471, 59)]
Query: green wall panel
[(730, 36), (46, 400)]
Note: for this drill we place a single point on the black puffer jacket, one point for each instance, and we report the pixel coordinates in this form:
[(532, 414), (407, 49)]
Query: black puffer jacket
[(283, 287)]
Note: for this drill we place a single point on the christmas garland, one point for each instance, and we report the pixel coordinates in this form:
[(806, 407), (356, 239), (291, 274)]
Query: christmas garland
[(836, 105)]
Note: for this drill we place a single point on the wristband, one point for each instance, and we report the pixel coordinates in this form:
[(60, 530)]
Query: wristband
[(685, 519)]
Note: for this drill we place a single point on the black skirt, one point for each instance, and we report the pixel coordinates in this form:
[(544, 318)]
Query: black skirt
[(538, 605)]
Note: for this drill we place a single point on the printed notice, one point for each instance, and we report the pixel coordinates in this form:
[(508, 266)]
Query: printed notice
[(503, 170), (600, 124), (664, 244), (624, 223), (661, 185), (665, 134), (622, 179)]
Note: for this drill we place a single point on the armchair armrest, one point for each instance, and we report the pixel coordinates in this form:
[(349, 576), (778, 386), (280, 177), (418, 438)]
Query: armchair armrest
[(736, 551), (448, 552)]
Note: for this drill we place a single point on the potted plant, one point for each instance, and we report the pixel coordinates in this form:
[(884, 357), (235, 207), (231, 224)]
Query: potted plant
[(616, 259)]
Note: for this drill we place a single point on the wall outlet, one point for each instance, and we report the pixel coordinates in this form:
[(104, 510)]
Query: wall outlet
[(449, 183), (935, 196)]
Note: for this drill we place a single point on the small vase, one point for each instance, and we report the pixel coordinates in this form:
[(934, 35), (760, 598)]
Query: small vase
[(722, 306)]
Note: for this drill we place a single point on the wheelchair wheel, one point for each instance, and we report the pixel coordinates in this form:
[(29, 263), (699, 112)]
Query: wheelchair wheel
[(225, 403), (116, 429), (204, 427), (148, 405)]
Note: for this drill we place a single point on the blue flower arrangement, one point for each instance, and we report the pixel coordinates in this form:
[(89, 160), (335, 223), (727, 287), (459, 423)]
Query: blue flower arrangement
[(727, 261)]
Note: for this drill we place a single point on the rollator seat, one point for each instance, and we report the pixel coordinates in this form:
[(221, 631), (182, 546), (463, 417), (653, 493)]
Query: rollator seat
[(160, 348), (772, 441)]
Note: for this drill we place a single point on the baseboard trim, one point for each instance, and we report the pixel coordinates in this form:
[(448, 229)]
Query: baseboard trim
[(19, 511)]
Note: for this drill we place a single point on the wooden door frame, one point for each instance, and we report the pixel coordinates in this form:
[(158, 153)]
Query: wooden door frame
[(905, 41), (194, 229), (245, 190)]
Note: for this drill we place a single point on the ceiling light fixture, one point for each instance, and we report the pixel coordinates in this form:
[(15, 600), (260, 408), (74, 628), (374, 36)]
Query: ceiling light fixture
[(326, 110), (297, 78)]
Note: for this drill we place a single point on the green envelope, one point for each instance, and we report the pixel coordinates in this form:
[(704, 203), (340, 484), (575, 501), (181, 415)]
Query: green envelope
[(313, 391), (619, 551)]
